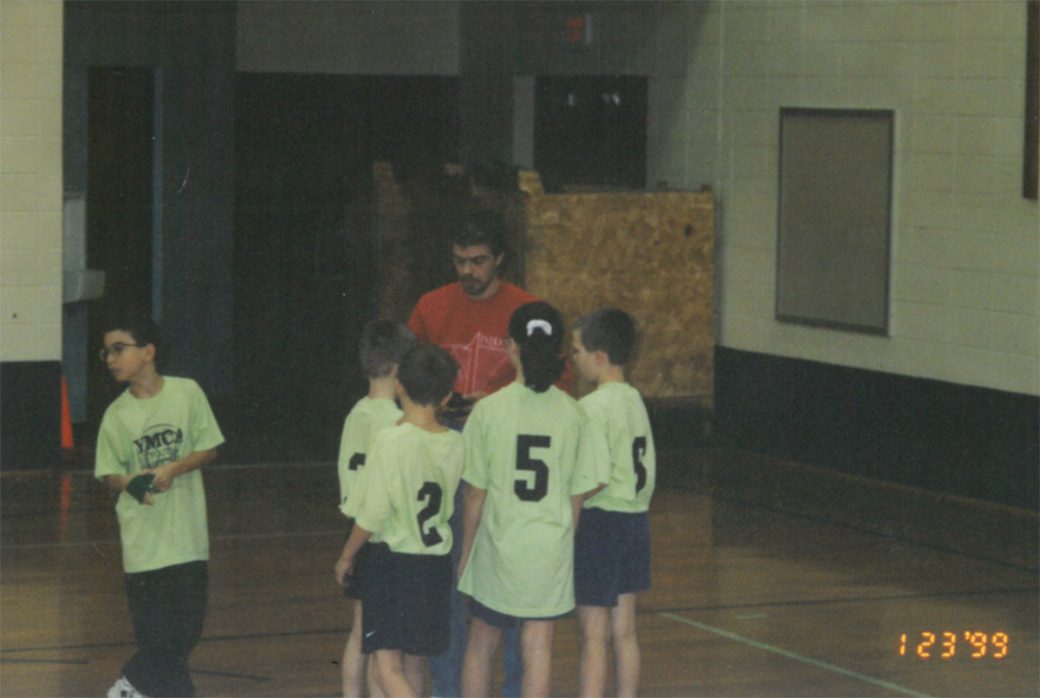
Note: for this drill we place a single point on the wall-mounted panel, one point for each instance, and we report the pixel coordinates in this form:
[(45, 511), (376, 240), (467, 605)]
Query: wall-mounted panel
[(834, 224)]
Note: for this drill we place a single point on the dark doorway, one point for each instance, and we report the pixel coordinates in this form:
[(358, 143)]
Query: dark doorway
[(303, 279), (119, 208), (590, 132)]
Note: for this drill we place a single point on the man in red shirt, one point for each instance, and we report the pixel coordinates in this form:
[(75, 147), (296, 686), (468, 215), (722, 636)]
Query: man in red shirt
[(470, 318)]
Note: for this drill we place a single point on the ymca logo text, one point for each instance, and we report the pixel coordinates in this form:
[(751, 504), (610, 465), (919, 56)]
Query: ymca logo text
[(160, 444)]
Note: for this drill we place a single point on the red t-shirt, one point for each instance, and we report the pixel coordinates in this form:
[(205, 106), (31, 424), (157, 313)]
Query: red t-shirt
[(473, 331)]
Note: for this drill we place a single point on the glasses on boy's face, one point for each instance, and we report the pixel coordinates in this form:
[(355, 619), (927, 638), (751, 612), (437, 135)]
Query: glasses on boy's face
[(115, 350)]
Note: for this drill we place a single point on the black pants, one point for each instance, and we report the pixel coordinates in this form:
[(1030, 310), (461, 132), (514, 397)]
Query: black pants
[(167, 607)]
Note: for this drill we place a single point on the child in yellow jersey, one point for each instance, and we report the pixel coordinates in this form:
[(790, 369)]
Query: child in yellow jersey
[(383, 343), (527, 466), (154, 440), (402, 503), (612, 545)]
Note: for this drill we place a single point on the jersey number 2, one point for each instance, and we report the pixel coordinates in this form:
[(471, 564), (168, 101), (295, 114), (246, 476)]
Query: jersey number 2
[(430, 491), (526, 490)]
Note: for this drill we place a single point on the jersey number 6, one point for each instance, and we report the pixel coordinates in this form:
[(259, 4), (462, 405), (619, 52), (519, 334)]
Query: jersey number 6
[(525, 490), (638, 451), (432, 491)]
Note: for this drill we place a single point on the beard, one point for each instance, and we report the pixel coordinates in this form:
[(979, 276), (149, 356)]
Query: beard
[(474, 286)]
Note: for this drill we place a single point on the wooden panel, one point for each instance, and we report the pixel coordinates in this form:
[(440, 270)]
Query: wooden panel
[(650, 254)]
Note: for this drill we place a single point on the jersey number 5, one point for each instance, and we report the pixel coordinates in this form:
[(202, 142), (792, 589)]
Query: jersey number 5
[(526, 490), (638, 451), (431, 492)]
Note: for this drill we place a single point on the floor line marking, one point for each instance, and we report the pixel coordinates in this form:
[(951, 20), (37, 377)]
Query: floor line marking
[(212, 537), (794, 655), (837, 600), (24, 660), (231, 675), (7, 651), (860, 528)]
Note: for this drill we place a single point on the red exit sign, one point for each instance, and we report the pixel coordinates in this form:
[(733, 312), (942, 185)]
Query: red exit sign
[(578, 29)]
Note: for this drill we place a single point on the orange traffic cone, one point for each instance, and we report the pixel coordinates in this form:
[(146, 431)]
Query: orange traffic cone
[(67, 441)]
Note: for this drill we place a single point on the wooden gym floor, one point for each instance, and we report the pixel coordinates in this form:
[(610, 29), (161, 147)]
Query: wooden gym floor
[(770, 579)]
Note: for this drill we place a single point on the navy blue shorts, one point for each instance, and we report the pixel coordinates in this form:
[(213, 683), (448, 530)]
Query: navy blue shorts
[(406, 599), (611, 556), (502, 621)]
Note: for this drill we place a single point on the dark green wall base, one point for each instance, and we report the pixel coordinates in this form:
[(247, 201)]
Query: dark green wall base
[(953, 439), (30, 414)]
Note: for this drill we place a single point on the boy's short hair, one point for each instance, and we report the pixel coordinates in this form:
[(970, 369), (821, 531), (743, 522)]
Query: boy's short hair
[(427, 373), (482, 227), (611, 331), (383, 343), (137, 324)]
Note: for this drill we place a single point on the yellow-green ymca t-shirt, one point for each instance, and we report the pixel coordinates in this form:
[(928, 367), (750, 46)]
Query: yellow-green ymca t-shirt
[(137, 434)]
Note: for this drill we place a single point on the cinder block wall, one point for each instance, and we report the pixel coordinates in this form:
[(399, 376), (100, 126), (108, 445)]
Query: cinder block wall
[(30, 168), (30, 232), (965, 268)]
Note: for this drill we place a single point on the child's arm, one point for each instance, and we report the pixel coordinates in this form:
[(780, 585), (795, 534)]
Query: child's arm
[(472, 510), (576, 501), (345, 564), (116, 483), (592, 493), (165, 474), (120, 483)]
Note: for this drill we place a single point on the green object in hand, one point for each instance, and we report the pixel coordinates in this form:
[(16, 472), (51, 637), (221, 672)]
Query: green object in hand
[(139, 486)]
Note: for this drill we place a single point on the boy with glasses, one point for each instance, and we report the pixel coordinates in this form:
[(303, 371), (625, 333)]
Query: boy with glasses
[(154, 439)]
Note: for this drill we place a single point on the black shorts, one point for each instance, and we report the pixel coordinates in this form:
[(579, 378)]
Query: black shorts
[(354, 587), (407, 601), (496, 619), (611, 556)]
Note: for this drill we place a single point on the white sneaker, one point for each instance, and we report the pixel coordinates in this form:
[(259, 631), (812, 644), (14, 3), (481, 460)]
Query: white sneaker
[(124, 689)]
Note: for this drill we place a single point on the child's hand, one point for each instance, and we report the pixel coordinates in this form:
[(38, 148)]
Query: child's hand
[(344, 566), (139, 487), (163, 477)]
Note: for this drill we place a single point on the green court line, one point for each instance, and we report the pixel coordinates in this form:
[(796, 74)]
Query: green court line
[(793, 655)]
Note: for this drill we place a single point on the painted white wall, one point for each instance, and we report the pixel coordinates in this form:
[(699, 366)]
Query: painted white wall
[(364, 38), (965, 244), (30, 180)]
